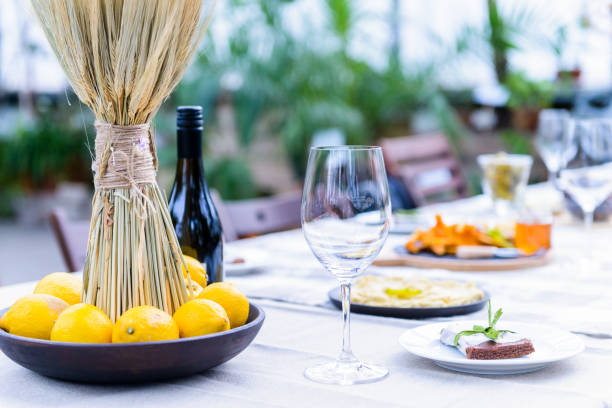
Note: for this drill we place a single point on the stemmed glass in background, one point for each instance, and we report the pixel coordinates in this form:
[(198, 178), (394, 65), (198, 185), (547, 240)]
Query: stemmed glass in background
[(587, 176), (346, 213), (554, 141)]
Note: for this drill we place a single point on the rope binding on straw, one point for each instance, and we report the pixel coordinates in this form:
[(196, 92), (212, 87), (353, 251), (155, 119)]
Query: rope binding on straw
[(126, 157)]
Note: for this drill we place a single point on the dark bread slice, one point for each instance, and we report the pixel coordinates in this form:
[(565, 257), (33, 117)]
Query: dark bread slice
[(490, 350)]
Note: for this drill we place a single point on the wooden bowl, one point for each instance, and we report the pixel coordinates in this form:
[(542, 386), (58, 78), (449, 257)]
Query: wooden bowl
[(131, 362)]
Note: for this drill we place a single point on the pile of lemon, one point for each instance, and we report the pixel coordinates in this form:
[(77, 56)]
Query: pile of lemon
[(54, 312)]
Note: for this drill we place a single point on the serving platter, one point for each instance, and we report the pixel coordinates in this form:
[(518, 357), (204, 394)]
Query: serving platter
[(410, 312), (131, 362), (551, 345), (401, 257)]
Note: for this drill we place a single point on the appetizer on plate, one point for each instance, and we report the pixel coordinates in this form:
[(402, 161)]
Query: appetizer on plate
[(469, 241), (398, 291), (486, 343)]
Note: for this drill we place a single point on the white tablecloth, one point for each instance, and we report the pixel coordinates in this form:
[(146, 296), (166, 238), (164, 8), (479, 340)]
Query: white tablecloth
[(302, 328)]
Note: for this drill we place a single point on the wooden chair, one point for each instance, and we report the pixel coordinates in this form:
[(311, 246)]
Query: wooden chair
[(258, 216), (71, 237), (238, 218), (427, 167)]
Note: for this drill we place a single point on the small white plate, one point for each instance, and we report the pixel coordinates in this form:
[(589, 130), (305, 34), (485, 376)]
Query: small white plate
[(551, 345), (254, 261)]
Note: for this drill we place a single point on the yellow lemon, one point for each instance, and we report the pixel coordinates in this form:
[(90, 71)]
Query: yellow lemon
[(33, 316), (144, 323), (201, 316), (62, 285), (231, 298), (82, 323), (196, 289), (197, 270)]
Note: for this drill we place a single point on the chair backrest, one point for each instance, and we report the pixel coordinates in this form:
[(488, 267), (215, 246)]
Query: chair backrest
[(71, 237), (258, 216), (238, 218), (426, 165)]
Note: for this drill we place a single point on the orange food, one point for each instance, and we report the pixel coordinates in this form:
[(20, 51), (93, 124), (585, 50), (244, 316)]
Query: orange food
[(444, 239), (531, 237)]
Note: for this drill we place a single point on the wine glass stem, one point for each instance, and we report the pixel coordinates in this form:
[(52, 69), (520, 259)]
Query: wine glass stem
[(347, 354), (588, 247), (588, 222), (588, 226), (552, 178)]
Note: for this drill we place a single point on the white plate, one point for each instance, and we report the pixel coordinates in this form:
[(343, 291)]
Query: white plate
[(254, 261), (551, 345)]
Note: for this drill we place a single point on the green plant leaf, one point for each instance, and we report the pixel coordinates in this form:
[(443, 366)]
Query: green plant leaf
[(498, 314)]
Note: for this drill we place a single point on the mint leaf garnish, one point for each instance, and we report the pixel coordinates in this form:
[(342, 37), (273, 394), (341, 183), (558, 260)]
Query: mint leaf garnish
[(498, 314), (491, 332)]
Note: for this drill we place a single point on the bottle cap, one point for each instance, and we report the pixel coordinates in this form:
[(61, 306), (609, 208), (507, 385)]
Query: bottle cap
[(189, 124), (189, 117)]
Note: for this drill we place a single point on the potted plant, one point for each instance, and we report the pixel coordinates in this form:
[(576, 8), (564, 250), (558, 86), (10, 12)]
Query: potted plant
[(526, 98), (39, 159)]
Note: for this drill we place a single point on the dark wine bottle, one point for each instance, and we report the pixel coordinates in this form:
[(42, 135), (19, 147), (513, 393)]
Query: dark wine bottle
[(193, 213)]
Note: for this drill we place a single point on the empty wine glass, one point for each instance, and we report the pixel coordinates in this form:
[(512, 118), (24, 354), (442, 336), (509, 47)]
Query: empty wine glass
[(587, 177), (554, 141), (345, 218)]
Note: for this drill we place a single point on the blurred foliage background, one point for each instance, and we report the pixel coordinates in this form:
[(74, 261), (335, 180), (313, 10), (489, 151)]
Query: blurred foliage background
[(267, 93)]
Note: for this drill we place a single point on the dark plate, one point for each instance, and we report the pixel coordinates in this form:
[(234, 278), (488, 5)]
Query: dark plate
[(410, 312), (134, 362)]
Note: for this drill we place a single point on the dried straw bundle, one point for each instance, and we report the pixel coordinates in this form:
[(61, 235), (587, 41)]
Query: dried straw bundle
[(123, 58)]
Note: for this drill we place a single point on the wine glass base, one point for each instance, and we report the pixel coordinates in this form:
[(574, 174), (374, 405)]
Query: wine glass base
[(341, 373)]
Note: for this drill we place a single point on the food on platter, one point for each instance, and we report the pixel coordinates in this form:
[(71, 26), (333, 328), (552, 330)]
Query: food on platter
[(486, 343), (215, 308), (398, 291), (443, 239)]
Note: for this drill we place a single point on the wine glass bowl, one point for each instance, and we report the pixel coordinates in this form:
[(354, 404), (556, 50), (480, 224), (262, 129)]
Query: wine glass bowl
[(345, 219), (587, 176), (553, 140)]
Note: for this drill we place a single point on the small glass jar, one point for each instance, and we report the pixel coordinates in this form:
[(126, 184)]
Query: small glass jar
[(533, 232), (504, 179)]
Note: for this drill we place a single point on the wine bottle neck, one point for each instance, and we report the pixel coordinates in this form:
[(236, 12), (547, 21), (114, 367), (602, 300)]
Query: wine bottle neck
[(190, 169), (189, 143)]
